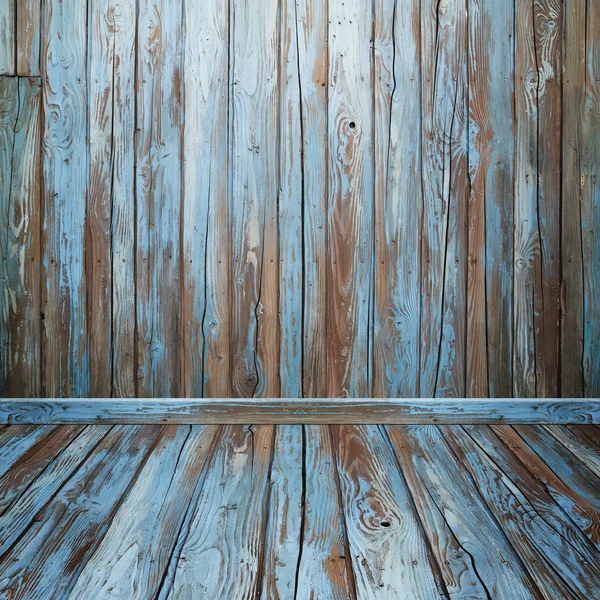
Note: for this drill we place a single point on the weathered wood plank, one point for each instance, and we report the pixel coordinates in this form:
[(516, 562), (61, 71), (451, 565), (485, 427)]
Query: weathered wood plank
[(110, 218), (65, 195), (551, 561), (590, 201), (444, 181), (390, 558), (133, 555), (325, 566), (222, 555), (28, 36), (61, 555), (75, 459), (491, 155), (21, 474), (478, 533), (284, 537), (579, 445), (205, 232), (312, 22), (574, 490), (158, 197), (350, 200), (398, 198), (572, 298), (8, 37), (255, 330), (460, 576), (20, 230), (318, 410), (291, 205), (17, 440)]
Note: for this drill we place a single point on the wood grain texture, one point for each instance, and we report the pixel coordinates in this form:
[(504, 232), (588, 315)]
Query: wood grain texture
[(110, 249), (65, 194), (444, 182), (380, 519), (303, 199), (222, 555), (28, 36), (20, 230), (305, 512), (490, 215), (158, 197), (132, 557), (398, 199), (255, 88), (8, 37), (590, 201), (350, 200), (206, 261), (318, 410), (313, 55)]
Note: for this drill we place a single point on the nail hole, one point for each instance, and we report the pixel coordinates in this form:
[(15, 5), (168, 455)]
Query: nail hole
[(352, 124), (385, 523)]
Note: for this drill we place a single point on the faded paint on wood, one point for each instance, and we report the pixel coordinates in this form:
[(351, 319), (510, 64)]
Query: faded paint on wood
[(20, 231), (65, 193), (304, 199)]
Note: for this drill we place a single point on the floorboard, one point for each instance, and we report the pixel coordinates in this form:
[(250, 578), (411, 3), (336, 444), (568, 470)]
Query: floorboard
[(276, 512)]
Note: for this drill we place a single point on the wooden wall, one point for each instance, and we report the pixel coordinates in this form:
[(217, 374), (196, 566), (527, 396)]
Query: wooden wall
[(236, 198)]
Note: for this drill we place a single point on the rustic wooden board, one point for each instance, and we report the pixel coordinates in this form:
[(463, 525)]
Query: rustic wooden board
[(158, 192), (255, 84), (390, 557), (452, 512), (20, 230), (65, 196), (319, 410), (135, 552), (398, 199), (350, 200), (109, 246), (223, 555), (490, 217), (205, 235), (300, 199)]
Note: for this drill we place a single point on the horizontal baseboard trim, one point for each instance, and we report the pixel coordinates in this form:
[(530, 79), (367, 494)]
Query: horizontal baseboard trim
[(313, 411)]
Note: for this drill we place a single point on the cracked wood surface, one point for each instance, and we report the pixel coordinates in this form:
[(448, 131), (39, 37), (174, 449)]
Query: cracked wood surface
[(341, 512), (300, 199)]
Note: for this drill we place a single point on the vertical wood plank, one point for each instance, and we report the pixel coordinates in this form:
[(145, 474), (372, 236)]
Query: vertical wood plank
[(28, 35), (283, 531), (398, 198), (548, 35), (111, 200), (205, 301), (255, 262), (443, 250), (527, 275), (65, 193), (351, 202), (222, 555), (572, 298), (8, 37), (389, 555), (131, 559), (291, 204), (158, 197), (312, 22), (20, 231), (590, 202), (491, 155)]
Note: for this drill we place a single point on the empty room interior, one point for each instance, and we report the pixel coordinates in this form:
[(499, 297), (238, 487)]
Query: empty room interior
[(299, 299)]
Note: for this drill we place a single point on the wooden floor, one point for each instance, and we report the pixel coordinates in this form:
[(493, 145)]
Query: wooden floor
[(286, 512)]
